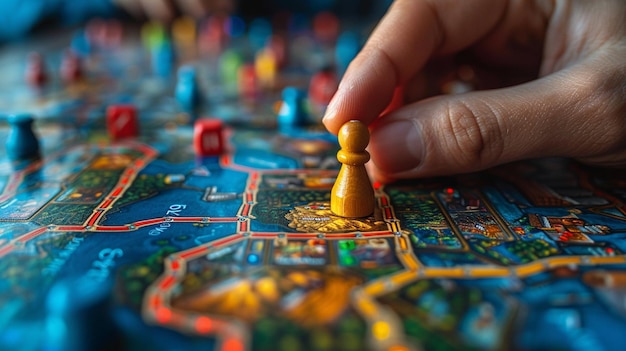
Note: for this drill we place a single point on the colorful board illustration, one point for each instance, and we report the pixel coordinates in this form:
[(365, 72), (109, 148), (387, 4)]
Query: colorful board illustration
[(141, 244)]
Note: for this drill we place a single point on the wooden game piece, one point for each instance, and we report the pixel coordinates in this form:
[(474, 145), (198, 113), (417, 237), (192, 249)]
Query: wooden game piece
[(352, 195), (292, 111), (36, 75), (22, 143), (208, 139), (122, 121)]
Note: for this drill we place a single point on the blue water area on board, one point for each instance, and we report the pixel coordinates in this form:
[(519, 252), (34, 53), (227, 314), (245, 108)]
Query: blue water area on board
[(558, 315)]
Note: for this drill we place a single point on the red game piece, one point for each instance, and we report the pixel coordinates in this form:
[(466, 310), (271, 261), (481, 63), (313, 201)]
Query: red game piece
[(36, 75), (122, 121), (71, 70), (326, 27), (104, 33), (113, 34), (212, 36), (323, 86), (247, 81), (278, 47), (207, 137)]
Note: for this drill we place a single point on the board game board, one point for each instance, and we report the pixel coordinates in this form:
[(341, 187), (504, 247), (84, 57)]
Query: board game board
[(139, 244)]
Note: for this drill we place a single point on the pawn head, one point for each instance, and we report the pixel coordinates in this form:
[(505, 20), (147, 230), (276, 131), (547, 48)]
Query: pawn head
[(354, 136)]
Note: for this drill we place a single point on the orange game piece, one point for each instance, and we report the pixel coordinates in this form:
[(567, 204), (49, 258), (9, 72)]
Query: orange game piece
[(352, 195)]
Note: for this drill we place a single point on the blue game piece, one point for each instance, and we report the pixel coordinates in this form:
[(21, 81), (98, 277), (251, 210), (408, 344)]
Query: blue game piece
[(292, 111), (163, 58), (253, 259), (22, 143), (259, 32), (235, 26), (187, 93), (80, 43), (348, 46), (79, 316)]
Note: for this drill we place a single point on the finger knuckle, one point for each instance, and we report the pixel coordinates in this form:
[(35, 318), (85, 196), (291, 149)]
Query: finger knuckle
[(602, 99), (474, 133)]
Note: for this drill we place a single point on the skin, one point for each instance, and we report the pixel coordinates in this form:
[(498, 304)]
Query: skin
[(551, 76)]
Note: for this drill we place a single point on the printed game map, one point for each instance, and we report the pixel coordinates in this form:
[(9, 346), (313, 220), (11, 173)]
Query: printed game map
[(141, 244)]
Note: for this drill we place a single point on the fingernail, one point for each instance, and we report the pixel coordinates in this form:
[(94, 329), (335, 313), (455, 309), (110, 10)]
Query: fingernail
[(397, 146)]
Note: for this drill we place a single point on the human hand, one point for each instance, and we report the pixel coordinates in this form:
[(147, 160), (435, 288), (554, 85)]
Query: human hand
[(165, 10), (569, 56)]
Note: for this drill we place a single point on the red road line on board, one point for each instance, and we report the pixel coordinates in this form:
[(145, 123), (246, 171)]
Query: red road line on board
[(243, 226), (298, 235), (223, 219), (26, 237), (156, 301), (167, 282), (377, 233), (117, 191), (193, 252), (106, 203), (94, 218), (265, 235), (245, 210), (6, 249), (223, 241), (187, 219), (113, 228), (146, 222), (70, 228)]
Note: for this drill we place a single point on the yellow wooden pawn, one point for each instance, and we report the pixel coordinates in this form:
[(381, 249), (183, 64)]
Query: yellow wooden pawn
[(352, 195)]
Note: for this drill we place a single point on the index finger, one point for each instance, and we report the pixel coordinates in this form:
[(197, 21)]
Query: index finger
[(409, 34)]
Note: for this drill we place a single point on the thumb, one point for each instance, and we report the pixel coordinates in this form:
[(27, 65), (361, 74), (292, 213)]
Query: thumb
[(578, 112)]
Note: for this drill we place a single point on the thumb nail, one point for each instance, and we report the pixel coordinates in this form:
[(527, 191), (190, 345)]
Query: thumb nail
[(397, 146)]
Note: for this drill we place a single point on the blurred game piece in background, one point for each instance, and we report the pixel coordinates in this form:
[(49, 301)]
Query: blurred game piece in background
[(22, 144), (208, 137), (36, 71), (293, 111), (122, 121)]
